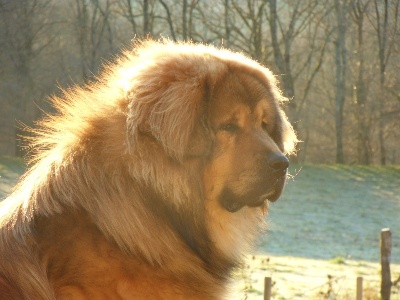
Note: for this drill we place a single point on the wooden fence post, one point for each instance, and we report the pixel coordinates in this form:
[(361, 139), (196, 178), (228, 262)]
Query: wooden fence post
[(386, 248), (359, 294), (267, 288)]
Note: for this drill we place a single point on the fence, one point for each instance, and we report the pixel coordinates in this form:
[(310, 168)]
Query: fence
[(386, 282), (268, 288)]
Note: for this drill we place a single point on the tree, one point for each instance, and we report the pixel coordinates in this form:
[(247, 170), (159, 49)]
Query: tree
[(186, 19), (341, 8), (386, 40), (23, 26), (227, 37), (93, 33), (252, 16), (136, 12), (363, 115), (300, 16)]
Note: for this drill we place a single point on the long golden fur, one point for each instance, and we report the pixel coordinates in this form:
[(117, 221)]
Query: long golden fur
[(149, 183)]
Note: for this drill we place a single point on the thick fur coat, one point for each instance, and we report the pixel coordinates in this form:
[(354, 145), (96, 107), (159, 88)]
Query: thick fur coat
[(150, 182)]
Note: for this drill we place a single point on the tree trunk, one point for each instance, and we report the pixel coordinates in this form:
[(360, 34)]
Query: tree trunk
[(362, 116), (169, 19), (184, 20), (382, 37), (282, 61), (382, 124), (146, 27), (340, 60), (227, 26), (385, 46)]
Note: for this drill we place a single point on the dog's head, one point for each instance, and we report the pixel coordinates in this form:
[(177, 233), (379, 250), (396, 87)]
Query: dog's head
[(219, 107)]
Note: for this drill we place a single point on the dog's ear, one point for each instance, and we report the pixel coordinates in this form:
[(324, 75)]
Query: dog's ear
[(166, 102)]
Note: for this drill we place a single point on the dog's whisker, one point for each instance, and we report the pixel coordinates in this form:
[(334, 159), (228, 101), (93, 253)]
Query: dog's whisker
[(293, 176)]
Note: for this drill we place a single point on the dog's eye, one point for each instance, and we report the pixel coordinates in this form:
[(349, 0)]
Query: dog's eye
[(265, 126), (229, 127)]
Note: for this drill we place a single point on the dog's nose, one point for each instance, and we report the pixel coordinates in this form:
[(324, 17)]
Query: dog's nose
[(278, 161)]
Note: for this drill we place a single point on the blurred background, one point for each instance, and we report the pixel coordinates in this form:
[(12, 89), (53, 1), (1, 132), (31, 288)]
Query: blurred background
[(338, 61)]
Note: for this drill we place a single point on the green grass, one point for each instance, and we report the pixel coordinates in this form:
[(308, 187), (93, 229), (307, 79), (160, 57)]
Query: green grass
[(338, 260), (326, 211)]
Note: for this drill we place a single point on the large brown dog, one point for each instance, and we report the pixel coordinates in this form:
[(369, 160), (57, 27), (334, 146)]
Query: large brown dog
[(149, 183)]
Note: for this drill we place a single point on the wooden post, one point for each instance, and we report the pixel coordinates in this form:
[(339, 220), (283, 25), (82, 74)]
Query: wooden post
[(359, 294), (267, 288), (386, 249)]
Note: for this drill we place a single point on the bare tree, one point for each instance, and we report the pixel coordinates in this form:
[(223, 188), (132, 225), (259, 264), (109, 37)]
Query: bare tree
[(169, 19), (146, 18), (283, 36), (93, 33), (216, 23), (341, 9), (184, 20), (363, 116), (23, 26), (139, 14), (386, 40), (305, 74), (184, 28), (250, 29), (227, 38), (192, 7)]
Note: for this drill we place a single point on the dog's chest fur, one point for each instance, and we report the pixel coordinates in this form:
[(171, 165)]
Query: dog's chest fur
[(82, 264)]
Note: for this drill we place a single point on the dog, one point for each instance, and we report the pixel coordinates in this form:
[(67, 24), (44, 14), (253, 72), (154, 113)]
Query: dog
[(151, 182)]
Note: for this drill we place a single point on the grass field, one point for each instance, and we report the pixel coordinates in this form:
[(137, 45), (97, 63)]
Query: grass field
[(327, 222)]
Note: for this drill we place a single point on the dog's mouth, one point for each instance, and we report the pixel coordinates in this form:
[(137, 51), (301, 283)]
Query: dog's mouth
[(233, 202)]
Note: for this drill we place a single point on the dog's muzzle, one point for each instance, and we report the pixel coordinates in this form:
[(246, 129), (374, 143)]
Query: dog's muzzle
[(268, 188)]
